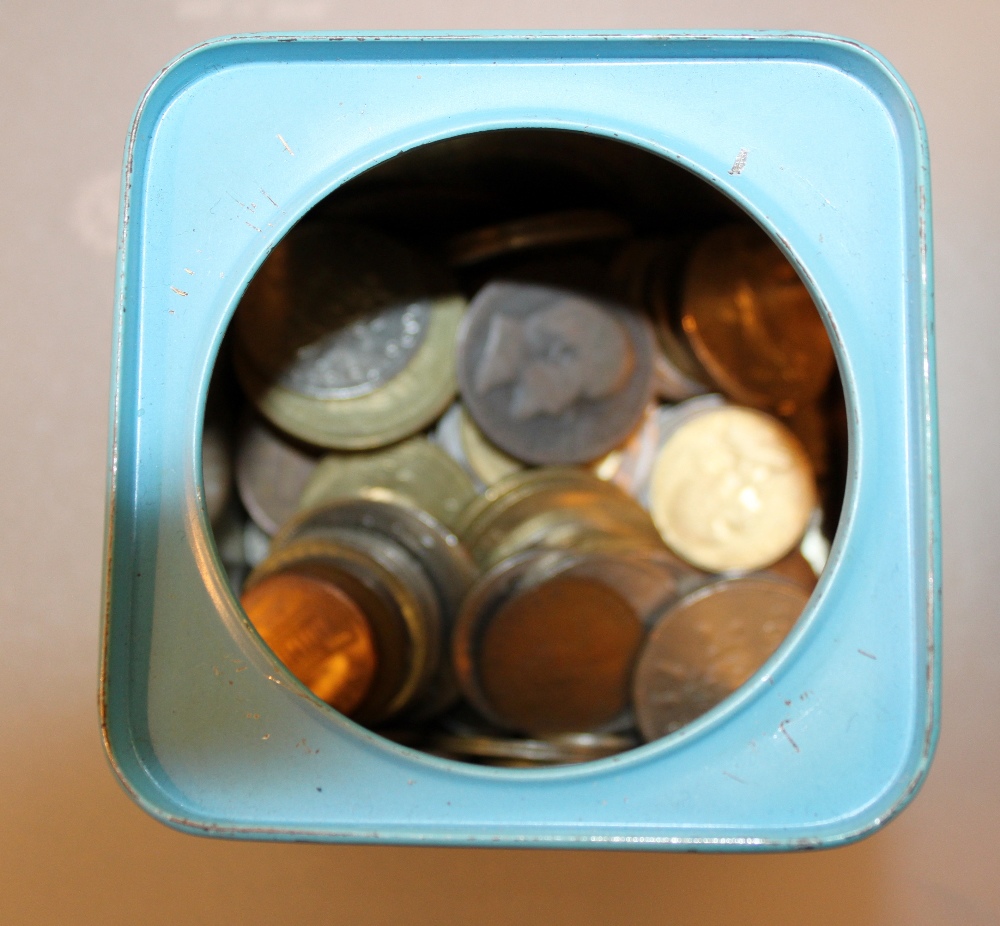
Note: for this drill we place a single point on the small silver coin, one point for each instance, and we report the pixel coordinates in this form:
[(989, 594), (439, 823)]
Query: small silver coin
[(552, 376), (271, 472)]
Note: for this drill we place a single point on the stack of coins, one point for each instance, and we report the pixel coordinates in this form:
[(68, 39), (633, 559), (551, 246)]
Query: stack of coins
[(534, 494)]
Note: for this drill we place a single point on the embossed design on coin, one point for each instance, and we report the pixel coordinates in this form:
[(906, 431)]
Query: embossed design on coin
[(334, 312), (732, 489), (709, 644), (551, 376)]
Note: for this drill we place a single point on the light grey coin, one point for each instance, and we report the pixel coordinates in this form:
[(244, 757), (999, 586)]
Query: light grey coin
[(552, 376), (709, 644), (335, 311), (271, 472)]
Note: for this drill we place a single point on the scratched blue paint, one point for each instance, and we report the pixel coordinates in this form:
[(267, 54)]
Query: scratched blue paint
[(231, 144)]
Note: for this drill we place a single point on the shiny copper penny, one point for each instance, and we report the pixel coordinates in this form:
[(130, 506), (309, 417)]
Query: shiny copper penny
[(558, 657), (319, 633), (752, 323)]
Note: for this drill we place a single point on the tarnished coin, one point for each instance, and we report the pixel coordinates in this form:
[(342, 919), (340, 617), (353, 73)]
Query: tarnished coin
[(551, 508), (335, 311), (732, 490), (403, 405), (319, 633), (556, 228), (271, 471), (752, 322), (553, 377), (487, 460), (416, 470), (557, 657), (545, 640), (707, 645)]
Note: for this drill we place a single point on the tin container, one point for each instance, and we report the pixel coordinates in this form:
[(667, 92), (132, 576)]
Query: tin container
[(819, 140)]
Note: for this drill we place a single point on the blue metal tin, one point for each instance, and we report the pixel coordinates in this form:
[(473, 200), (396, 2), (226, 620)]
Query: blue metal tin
[(820, 141)]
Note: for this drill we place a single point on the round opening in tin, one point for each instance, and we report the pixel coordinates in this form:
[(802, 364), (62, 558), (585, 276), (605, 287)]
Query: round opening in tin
[(525, 448)]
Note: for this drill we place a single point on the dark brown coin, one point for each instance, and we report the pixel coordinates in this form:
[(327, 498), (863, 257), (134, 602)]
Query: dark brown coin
[(319, 633), (558, 657), (707, 645), (551, 376)]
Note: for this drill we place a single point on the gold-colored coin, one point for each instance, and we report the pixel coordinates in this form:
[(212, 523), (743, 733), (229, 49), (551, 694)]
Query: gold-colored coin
[(752, 323), (405, 404), (732, 490), (551, 507), (487, 460), (416, 470)]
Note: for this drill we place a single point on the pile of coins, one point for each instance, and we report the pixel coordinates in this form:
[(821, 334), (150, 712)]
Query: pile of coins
[(535, 496)]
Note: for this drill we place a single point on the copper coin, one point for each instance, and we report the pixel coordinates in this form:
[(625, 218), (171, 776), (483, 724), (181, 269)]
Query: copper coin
[(557, 658), (551, 376), (752, 323), (319, 633), (707, 645)]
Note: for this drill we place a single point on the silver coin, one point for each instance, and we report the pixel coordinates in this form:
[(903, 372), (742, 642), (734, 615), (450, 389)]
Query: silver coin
[(335, 312), (552, 376), (271, 472), (562, 749), (707, 645)]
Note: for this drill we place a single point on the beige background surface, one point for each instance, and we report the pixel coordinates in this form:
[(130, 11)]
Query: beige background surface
[(73, 849)]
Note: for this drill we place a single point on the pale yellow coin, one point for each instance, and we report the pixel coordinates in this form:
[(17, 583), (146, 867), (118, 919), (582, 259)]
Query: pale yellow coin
[(419, 471), (732, 490), (487, 460)]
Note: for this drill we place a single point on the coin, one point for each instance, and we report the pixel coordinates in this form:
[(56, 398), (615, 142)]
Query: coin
[(560, 749), (487, 460), (752, 323), (646, 273), (396, 600), (416, 470), (552, 377), (558, 657), (630, 465), (732, 489), (319, 633), (335, 311), (271, 471), (545, 639), (550, 507), (410, 535), (707, 646), (552, 229), (403, 405)]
